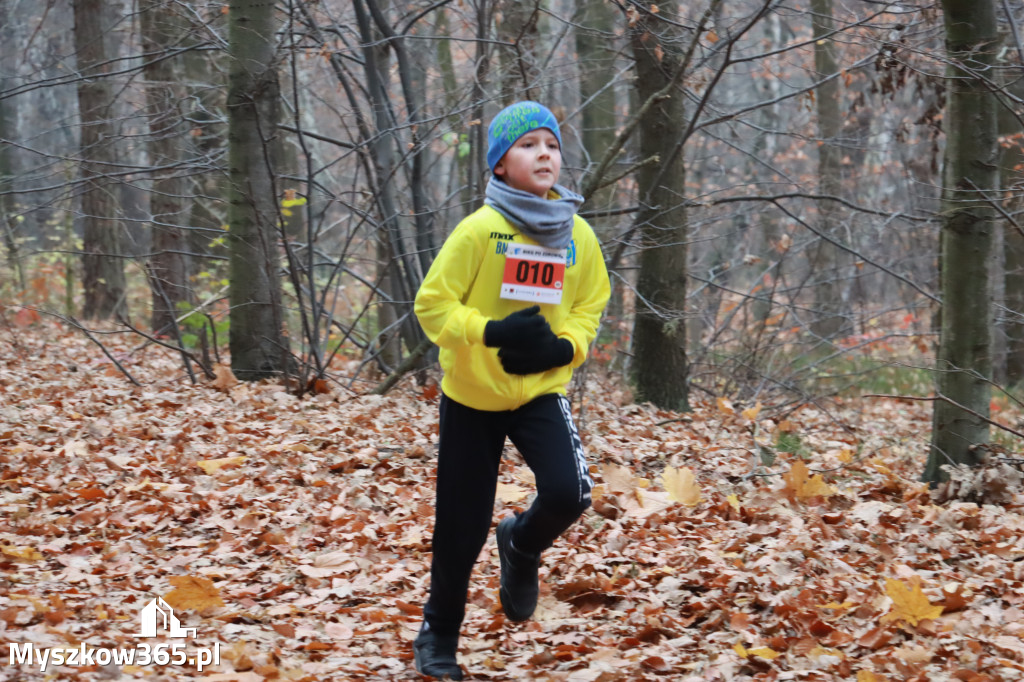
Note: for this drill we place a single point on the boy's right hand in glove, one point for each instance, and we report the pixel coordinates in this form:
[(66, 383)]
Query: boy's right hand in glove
[(557, 352), (522, 330)]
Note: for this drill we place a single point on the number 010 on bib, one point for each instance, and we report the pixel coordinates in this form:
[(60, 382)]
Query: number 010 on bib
[(533, 273)]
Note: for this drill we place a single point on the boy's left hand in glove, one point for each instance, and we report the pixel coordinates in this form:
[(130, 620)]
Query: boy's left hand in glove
[(556, 352)]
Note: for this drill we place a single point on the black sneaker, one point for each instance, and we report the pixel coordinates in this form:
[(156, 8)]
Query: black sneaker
[(435, 654), (519, 582)]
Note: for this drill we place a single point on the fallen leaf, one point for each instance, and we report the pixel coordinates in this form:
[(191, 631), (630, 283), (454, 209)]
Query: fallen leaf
[(91, 494), (681, 485), (764, 652), (837, 608), (914, 654), (338, 631), (642, 504), (909, 603), (954, 598), (193, 592), (868, 676), (802, 486), (752, 412), (618, 479), (510, 492), (657, 664), (212, 466), (75, 448), (224, 379), (284, 629), (337, 558), (22, 553)]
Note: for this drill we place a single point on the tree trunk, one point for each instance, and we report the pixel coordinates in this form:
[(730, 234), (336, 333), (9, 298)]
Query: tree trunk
[(826, 258), (8, 125), (479, 171), (1012, 184), (970, 182), (207, 189), (766, 230), (259, 348), (596, 55), (516, 23), (659, 331), (103, 278), (458, 137), (389, 236), (412, 76), (162, 29)]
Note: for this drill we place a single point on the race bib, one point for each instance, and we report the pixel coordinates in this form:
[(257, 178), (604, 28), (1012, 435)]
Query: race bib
[(533, 273)]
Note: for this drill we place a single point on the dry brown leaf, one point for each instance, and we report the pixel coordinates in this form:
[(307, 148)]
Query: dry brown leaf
[(914, 654), (955, 597), (284, 629), (618, 479), (193, 592), (91, 493), (643, 503), (338, 631), (75, 448), (224, 379)]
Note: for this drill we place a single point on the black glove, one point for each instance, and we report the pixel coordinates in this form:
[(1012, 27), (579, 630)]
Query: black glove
[(553, 353), (522, 330)]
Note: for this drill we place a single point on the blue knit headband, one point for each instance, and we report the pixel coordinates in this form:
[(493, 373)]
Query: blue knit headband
[(513, 122)]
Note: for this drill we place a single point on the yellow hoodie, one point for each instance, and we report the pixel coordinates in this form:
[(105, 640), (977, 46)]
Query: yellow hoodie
[(460, 295)]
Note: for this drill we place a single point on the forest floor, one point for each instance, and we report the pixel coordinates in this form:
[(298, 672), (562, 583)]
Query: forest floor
[(294, 534)]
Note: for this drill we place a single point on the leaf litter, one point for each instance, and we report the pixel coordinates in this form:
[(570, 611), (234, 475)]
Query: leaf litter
[(296, 533)]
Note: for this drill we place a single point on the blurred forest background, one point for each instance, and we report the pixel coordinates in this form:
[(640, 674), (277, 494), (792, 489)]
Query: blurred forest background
[(785, 191)]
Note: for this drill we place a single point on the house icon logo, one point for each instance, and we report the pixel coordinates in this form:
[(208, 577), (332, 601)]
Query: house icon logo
[(158, 615)]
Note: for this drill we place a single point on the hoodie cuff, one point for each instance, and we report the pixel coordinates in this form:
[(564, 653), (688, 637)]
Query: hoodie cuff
[(475, 328)]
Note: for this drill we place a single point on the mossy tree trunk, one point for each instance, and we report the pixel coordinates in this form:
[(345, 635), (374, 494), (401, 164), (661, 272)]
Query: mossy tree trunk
[(259, 347), (970, 183), (1011, 170)]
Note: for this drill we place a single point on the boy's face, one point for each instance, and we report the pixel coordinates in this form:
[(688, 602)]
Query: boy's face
[(532, 163)]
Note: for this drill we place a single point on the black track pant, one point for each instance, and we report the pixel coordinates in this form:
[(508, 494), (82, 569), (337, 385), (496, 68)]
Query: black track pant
[(471, 442)]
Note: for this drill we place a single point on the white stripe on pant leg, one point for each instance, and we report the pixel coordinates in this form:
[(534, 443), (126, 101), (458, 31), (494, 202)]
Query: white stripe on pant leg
[(582, 470)]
